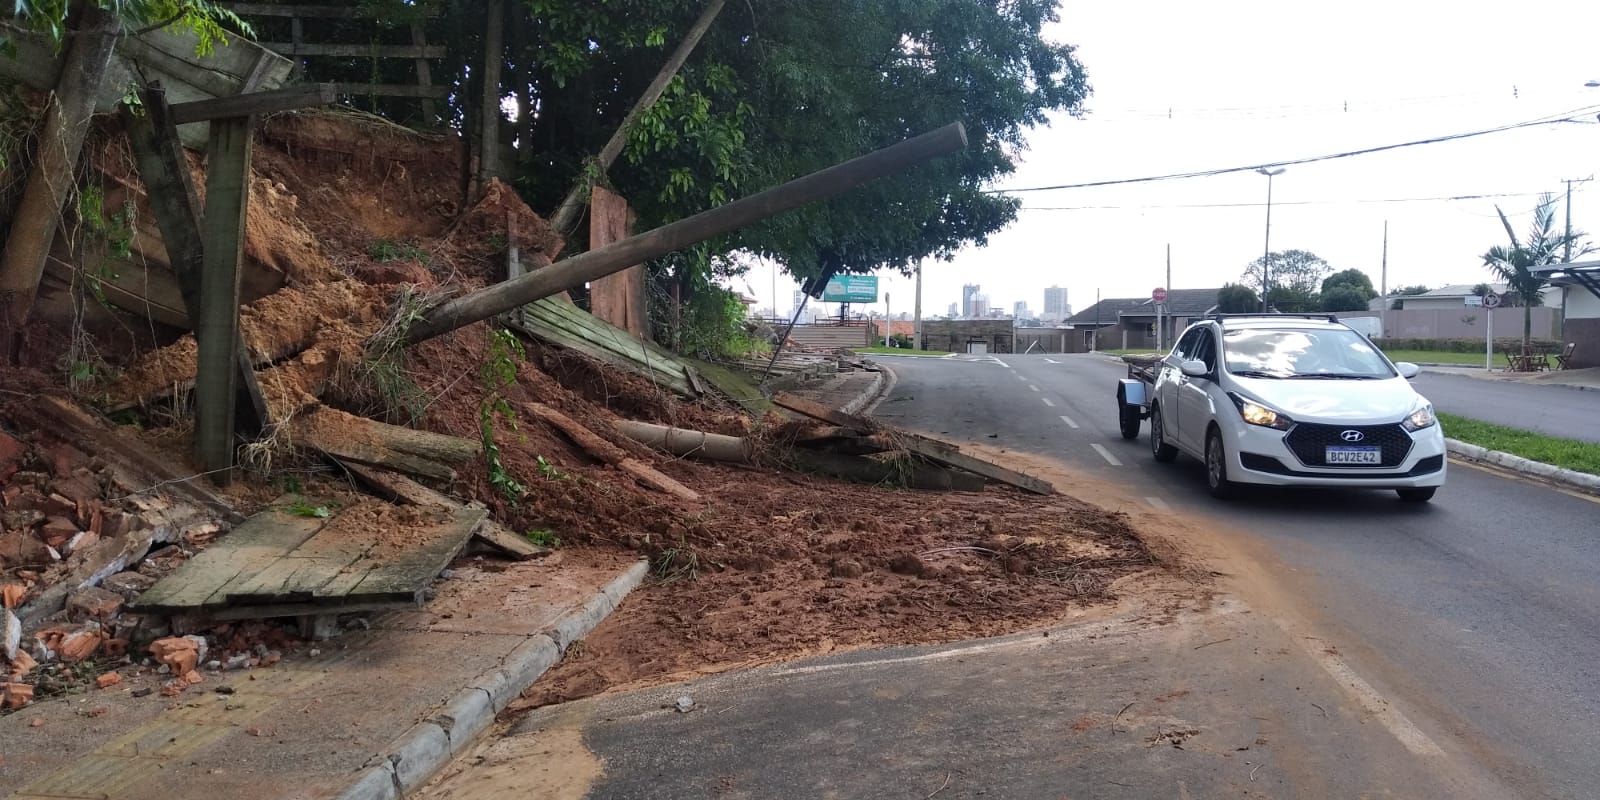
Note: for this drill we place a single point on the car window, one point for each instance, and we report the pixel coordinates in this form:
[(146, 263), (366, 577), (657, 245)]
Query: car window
[(1205, 350), (1186, 343), (1303, 353)]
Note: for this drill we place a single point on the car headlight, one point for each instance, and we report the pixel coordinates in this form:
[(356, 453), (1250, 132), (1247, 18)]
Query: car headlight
[(1257, 414), (1421, 418)]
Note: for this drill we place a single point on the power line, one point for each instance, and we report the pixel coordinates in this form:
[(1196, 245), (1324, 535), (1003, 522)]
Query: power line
[(1567, 117), (1290, 202)]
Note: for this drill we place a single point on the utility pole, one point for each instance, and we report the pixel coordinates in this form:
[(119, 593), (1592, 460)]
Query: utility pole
[(1165, 318), (1567, 257), (916, 311), (1266, 255)]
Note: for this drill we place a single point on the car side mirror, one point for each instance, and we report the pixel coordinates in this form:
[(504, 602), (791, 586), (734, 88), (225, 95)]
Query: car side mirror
[(1194, 369), (1407, 369)]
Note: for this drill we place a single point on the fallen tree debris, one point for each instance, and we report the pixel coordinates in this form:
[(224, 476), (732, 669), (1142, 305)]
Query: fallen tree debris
[(611, 454), (349, 437)]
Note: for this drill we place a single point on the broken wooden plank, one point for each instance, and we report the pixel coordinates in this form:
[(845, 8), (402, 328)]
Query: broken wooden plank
[(349, 437), (398, 488), (906, 473), (244, 105), (410, 572), (950, 455), (818, 411), (255, 544), (298, 574), (508, 541), (655, 479), (610, 453)]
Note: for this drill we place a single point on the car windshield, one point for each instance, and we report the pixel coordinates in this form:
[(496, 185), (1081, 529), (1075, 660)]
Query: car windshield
[(1303, 354)]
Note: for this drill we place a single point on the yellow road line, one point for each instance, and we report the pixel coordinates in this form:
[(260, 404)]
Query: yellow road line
[(1503, 473)]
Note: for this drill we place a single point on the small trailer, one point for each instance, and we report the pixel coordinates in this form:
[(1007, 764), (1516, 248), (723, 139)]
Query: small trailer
[(1135, 391)]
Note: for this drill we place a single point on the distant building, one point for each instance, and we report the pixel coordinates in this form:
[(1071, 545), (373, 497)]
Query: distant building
[(954, 312), (969, 297), (1020, 310), (978, 306), (1055, 305)]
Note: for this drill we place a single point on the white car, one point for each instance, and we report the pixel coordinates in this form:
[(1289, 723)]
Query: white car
[(1294, 400)]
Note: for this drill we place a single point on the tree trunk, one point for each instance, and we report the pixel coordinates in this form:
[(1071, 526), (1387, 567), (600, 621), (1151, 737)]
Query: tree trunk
[(493, 59), (50, 183), (346, 436)]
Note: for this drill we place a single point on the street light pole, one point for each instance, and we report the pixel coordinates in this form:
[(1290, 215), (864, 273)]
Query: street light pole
[(1266, 250)]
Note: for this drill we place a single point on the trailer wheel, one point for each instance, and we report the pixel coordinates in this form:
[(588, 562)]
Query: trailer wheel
[(1129, 419)]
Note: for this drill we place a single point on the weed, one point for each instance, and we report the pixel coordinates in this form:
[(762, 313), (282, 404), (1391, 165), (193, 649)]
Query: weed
[(386, 250), (675, 564), (382, 376), (499, 370), (301, 508), (543, 538), (548, 470)]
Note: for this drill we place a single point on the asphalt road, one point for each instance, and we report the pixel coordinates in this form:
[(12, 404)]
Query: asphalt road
[(1476, 613), (1553, 410)]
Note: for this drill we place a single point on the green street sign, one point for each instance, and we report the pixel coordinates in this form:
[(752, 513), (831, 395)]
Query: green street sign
[(851, 289)]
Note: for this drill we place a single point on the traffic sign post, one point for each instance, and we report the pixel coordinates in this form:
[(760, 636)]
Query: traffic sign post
[(1159, 295), (1490, 301)]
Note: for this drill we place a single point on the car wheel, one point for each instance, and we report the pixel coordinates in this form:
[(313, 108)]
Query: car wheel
[(1422, 495), (1129, 421), (1217, 467), (1158, 438)]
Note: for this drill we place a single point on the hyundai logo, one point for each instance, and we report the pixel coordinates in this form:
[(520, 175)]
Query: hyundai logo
[(1352, 436)]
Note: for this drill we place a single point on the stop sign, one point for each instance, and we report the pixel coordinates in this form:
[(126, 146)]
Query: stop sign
[(1159, 295)]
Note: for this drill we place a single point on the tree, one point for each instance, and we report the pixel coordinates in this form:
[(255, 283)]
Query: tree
[(1233, 298), (1406, 291), (1516, 265), (1296, 275), (1350, 279), (1344, 298)]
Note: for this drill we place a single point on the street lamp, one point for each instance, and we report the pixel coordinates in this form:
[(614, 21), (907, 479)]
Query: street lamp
[(1266, 251)]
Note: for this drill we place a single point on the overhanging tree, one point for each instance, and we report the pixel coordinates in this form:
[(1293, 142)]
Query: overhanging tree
[(1296, 276)]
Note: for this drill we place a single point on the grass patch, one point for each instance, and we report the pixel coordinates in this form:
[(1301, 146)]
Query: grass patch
[(899, 351), (1566, 453), (1441, 357), (1132, 351)]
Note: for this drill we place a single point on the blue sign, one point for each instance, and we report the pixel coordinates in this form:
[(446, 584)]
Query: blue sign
[(851, 289)]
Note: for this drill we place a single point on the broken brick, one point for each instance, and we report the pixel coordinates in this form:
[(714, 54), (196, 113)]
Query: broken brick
[(67, 459), (22, 663), (108, 680), (116, 647), (11, 594), (93, 602), (178, 652), (21, 519), (36, 722), (79, 645), (80, 541), (15, 695), (21, 549), (81, 489), (57, 531), (192, 677)]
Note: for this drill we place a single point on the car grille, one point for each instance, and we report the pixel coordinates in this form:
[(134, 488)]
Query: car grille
[(1261, 463), (1309, 442)]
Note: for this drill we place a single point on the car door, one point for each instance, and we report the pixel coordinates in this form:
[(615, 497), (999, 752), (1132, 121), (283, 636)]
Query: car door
[(1168, 380), (1194, 395)]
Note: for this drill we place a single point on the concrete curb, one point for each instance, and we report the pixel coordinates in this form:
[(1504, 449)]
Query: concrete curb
[(890, 380), (429, 745), (1581, 481), (871, 393)]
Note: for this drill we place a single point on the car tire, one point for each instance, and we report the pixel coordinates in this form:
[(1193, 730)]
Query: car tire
[(1217, 467), (1421, 495), (1159, 448), (1128, 421)]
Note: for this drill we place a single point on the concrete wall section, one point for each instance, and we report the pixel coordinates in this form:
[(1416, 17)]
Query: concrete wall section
[(960, 335)]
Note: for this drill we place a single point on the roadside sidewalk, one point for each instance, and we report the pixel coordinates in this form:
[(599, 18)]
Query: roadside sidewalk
[(1587, 379), (369, 714)]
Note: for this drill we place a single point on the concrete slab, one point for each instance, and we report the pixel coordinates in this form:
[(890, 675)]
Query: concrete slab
[(310, 726)]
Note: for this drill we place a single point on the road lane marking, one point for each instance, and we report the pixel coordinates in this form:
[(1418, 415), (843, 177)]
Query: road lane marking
[(1070, 423), (1158, 504), (1001, 363), (1022, 377), (1031, 386), (1377, 705), (1052, 361), (1106, 454), (1047, 402), (1512, 476)]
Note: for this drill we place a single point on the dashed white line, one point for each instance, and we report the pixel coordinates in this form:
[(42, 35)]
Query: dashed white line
[(1106, 454), (1068, 420), (1033, 387), (1158, 504), (1001, 363), (1021, 377), (1051, 361), (1047, 402)]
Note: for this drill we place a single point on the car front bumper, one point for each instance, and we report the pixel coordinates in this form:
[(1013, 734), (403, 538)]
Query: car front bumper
[(1262, 456)]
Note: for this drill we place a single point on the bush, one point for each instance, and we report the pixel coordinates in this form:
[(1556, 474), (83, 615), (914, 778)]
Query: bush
[(901, 340), (1455, 345)]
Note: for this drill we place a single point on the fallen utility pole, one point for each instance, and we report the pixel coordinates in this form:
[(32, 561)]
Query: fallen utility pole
[(567, 213), (574, 272)]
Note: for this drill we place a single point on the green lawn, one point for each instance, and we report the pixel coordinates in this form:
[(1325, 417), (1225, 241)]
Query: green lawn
[(1568, 453), (899, 351), (1441, 357)]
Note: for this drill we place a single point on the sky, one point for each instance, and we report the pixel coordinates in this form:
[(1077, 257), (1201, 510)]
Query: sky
[(1183, 86)]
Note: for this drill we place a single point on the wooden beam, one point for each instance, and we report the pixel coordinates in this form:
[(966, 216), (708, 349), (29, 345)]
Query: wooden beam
[(311, 11), (313, 94), (424, 75), (222, 237), (392, 90), (818, 411), (950, 455), (289, 50), (574, 272)]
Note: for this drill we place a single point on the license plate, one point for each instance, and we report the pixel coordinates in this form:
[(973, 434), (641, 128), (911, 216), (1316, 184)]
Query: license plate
[(1353, 455)]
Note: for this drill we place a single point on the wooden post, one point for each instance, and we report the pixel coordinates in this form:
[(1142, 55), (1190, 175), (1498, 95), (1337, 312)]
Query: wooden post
[(493, 51), (574, 272), (424, 74), (33, 227), (567, 213), (222, 233)]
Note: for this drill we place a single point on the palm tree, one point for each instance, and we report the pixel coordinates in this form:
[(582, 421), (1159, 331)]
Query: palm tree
[(1542, 247)]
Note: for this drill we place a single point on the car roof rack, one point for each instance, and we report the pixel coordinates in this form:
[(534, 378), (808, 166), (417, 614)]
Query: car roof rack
[(1274, 315)]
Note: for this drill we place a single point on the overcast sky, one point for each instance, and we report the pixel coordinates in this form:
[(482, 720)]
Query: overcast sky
[(1252, 82)]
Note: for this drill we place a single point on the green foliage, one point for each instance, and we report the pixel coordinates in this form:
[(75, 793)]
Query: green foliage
[(1296, 275), (1233, 298), (549, 471), (386, 250), (499, 371), (543, 538), (303, 508), (1352, 279), (901, 340), (1343, 298), (209, 22), (1566, 453)]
